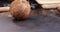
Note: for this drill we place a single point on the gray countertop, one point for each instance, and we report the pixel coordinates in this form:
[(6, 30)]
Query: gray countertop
[(40, 23)]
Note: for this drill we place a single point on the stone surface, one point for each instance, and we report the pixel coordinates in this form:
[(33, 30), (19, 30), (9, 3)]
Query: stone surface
[(39, 23)]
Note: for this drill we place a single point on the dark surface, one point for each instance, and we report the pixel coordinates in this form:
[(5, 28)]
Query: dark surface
[(5, 2), (41, 23)]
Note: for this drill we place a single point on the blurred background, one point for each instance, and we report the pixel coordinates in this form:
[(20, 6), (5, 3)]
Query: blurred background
[(43, 18)]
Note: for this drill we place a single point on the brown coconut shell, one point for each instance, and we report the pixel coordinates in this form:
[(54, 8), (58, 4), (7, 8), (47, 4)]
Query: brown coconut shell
[(20, 9)]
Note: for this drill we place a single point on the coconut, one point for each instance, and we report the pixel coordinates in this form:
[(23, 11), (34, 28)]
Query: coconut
[(20, 9)]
